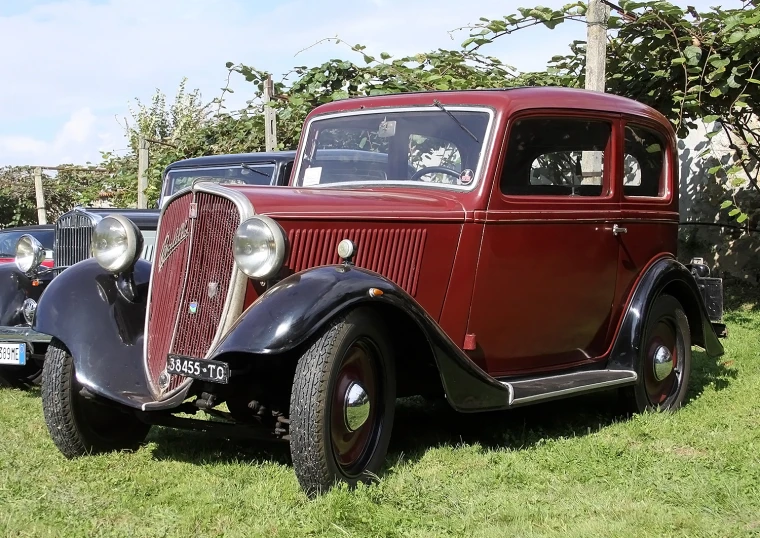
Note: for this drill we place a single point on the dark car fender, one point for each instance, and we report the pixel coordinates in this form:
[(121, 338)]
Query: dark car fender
[(297, 307), (102, 330), (15, 287), (669, 276)]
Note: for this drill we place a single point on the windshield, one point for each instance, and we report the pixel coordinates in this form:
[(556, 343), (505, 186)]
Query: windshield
[(8, 240), (431, 146), (241, 174)]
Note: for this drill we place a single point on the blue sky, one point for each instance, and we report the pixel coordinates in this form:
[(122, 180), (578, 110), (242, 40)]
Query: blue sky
[(71, 68)]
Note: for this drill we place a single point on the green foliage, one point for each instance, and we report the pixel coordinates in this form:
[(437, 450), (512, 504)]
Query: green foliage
[(62, 192), (690, 66)]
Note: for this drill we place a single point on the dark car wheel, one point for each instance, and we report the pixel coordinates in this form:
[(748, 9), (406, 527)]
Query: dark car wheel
[(79, 425), (342, 404), (665, 361)]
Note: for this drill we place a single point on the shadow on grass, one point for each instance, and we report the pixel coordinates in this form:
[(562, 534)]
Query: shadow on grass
[(205, 447), (423, 424)]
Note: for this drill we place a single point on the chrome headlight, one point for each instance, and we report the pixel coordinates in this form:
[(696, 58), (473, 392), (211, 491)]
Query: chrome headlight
[(116, 243), (259, 247), (29, 254)]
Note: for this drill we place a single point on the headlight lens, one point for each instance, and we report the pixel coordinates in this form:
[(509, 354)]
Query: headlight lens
[(29, 253), (259, 247), (116, 243)]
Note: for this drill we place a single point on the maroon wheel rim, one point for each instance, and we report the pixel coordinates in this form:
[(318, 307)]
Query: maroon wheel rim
[(352, 449), (663, 337)]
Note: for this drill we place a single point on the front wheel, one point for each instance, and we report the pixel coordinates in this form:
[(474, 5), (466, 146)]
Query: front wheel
[(664, 361), (79, 425), (342, 403)]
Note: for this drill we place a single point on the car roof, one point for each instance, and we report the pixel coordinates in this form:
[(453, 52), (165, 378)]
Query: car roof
[(233, 158), (508, 100)]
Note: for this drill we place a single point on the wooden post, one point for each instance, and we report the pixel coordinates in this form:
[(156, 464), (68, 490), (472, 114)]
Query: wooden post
[(596, 44), (41, 216), (596, 57), (142, 172), (270, 119)]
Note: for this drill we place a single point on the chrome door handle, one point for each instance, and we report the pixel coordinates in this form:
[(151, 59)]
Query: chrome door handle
[(618, 230)]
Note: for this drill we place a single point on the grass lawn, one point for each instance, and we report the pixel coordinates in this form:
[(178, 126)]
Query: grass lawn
[(569, 468)]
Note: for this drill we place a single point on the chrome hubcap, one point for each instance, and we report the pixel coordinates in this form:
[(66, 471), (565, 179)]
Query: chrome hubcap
[(356, 407), (662, 363)]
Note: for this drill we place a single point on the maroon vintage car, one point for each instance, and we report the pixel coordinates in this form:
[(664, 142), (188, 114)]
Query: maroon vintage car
[(499, 248)]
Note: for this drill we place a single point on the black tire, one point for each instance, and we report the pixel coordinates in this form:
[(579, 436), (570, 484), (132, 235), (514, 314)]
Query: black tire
[(324, 449), (79, 425), (668, 326)]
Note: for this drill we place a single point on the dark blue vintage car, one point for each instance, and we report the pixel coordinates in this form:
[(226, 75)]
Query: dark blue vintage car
[(22, 281)]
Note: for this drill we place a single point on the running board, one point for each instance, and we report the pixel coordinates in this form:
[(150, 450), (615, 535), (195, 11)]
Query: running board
[(539, 389)]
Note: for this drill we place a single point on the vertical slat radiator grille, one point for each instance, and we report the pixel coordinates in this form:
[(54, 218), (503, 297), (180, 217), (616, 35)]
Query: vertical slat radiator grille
[(193, 268), (73, 234), (395, 253)]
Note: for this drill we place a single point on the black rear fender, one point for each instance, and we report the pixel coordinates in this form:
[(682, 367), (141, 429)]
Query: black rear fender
[(665, 276)]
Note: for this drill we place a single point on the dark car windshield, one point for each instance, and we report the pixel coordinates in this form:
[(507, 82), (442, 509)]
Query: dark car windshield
[(9, 238), (423, 146), (242, 174)]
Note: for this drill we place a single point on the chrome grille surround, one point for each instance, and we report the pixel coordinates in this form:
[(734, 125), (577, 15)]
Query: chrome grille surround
[(73, 237), (233, 305)]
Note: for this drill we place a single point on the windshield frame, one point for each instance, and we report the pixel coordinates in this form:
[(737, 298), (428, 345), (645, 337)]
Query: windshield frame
[(431, 108), (168, 180)]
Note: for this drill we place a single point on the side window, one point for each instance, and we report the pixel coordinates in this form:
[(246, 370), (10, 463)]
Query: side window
[(556, 156), (644, 162)]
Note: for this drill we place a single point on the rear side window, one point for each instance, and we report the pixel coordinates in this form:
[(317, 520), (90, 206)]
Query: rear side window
[(644, 162), (556, 157)]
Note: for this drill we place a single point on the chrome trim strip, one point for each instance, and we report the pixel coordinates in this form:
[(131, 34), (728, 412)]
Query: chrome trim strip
[(479, 170), (632, 378)]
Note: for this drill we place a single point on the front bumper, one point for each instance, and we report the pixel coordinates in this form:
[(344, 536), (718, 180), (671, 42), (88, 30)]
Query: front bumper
[(23, 333)]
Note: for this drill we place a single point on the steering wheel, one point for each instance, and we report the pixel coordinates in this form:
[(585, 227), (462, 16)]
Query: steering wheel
[(434, 170)]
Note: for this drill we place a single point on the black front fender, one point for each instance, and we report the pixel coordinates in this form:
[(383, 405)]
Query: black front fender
[(292, 311), (666, 275), (101, 329), (15, 287)]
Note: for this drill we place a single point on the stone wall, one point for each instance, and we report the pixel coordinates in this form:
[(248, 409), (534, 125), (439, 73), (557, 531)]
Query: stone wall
[(732, 253)]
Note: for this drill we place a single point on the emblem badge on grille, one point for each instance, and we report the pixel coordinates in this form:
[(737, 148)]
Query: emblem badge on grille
[(213, 289), (193, 307), (193, 210)]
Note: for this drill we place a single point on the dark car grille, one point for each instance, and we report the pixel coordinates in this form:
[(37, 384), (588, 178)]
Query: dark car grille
[(395, 253), (73, 233), (193, 263)]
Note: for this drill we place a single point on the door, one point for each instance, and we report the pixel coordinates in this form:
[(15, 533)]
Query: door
[(548, 264)]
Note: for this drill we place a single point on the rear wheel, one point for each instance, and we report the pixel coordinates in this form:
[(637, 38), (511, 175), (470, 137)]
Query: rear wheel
[(342, 404), (665, 360), (79, 425)]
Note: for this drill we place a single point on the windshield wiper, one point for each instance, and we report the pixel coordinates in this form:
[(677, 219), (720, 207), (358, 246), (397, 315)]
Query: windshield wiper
[(437, 103), (249, 167)]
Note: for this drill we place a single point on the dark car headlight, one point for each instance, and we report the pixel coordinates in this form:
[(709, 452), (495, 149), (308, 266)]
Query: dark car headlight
[(116, 243), (29, 254)]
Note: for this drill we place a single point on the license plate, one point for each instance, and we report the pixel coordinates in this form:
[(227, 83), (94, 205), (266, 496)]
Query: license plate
[(214, 371), (13, 354)]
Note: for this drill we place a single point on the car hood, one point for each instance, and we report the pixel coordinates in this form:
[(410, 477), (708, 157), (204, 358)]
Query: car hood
[(354, 204)]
